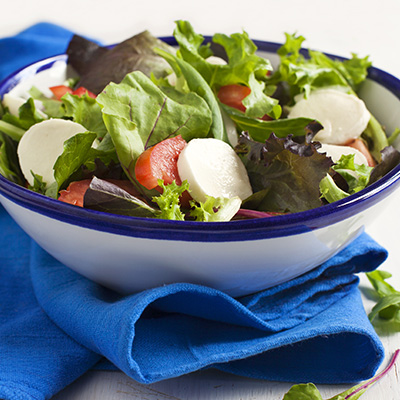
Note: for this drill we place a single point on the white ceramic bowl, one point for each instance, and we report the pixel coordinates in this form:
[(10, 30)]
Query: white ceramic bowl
[(239, 257)]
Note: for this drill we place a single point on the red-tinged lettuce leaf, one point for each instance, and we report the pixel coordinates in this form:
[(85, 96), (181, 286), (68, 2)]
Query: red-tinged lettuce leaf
[(285, 173), (108, 197), (390, 157), (98, 66)]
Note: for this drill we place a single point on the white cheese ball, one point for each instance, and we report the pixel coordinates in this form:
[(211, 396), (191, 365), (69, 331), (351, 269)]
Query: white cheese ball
[(42, 144), (335, 152), (343, 116), (212, 168)]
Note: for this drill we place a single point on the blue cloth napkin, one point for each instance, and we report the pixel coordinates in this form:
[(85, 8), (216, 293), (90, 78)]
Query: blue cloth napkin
[(55, 324)]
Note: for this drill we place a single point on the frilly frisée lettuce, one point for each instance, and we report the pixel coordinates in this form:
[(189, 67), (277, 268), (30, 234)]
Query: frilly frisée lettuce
[(144, 94)]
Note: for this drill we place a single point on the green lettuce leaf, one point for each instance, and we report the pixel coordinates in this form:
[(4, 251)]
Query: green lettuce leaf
[(138, 114), (215, 209), (86, 111), (169, 201), (244, 66), (52, 108), (28, 116), (357, 176), (304, 74)]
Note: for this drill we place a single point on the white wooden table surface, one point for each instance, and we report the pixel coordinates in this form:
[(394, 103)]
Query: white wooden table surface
[(340, 27)]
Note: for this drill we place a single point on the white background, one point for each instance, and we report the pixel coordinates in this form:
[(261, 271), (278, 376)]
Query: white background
[(366, 27)]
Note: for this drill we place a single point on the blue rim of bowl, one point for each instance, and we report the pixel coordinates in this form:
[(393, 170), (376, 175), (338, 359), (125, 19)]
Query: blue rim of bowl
[(239, 230)]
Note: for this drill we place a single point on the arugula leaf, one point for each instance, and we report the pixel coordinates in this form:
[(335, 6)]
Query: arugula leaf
[(38, 185), (215, 209), (169, 202), (388, 307), (287, 173), (244, 66), (108, 197), (138, 114), (308, 391)]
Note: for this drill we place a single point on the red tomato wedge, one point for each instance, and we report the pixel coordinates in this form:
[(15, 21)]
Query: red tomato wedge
[(359, 145), (233, 95), (80, 91), (60, 91), (160, 162), (75, 192)]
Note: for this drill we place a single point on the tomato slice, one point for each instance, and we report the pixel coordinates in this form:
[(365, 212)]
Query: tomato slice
[(160, 162), (80, 91), (75, 192), (359, 145), (60, 90), (233, 95)]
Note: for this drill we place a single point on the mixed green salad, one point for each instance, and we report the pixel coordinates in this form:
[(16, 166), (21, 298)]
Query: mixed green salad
[(203, 131)]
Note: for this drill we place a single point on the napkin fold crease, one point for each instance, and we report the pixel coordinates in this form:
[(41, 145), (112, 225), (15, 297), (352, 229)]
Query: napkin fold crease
[(55, 324)]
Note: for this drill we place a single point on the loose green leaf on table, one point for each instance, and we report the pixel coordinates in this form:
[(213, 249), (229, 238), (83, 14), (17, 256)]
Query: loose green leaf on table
[(388, 307), (308, 391)]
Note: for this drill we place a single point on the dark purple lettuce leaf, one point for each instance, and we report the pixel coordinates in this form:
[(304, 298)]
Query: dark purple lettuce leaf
[(284, 174), (390, 157), (98, 66), (108, 197)]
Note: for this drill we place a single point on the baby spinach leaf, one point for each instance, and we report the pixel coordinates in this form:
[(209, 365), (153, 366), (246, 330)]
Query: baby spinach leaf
[(303, 391), (197, 84), (388, 307), (108, 197), (260, 130), (76, 150), (138, 114)]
